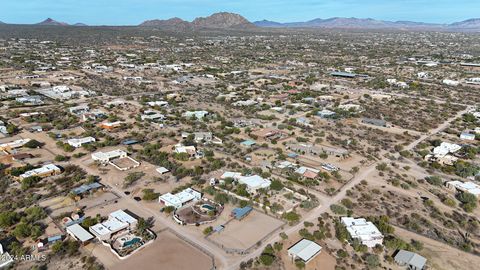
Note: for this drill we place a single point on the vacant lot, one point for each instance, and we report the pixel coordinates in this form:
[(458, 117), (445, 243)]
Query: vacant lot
[(247, 232)]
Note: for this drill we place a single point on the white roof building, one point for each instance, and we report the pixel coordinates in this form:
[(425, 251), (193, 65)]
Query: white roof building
[(233, 175), (179, 199), (117, 221), (160, 103), (446, 148), (254, 182), (305, 250), (44, 171), (15, 144), (190, 150), (363, 230), (303, 169), (105, 157), (468, 187), (81, 141), (197, 114), (152, 115), (450, 82), (79, 233), (162, 170)]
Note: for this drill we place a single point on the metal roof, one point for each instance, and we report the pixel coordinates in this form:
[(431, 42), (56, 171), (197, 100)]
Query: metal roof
[(305, 249), (85, 188), (410, 258), (79, 232)]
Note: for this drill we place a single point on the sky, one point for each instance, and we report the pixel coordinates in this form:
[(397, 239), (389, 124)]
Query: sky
[(133, 12)]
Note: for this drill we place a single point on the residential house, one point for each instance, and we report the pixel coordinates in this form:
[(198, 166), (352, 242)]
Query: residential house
[(468, 187), (180, 199), (117, 222), (81, 141), (363, 230), (42, 172)]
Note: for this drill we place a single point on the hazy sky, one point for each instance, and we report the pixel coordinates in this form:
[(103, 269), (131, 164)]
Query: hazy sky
[(127, 12)]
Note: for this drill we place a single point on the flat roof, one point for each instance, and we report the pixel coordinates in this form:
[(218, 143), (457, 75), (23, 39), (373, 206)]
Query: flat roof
[(80, 233), (44, 169), (123, 216), (254, 181)]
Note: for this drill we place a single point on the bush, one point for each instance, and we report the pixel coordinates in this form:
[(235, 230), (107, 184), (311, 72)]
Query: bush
[(434, 180), (469, 201), (276, 185), (299, 264), (33, 144), (150, 195), (208, 230), (338, 209), (372, 261), (291, 217)]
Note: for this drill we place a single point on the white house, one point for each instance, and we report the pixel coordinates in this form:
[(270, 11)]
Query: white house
[(152, 115), (468, 187), (254, 182), (79, 142), (196, 114), (445, 148), (78, 110), (159, 103), (44, 171), (117, 221), (450, 82), (363, 230), (105, 157), (15, 144), (179, 199)]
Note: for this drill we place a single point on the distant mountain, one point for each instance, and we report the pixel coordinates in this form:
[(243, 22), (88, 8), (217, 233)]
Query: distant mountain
[(80, 24), (468, 24), (223, 20), (173, 24), (51, 21), (357, 23)]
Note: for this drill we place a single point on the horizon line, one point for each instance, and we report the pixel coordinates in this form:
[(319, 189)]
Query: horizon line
[(252, 21)]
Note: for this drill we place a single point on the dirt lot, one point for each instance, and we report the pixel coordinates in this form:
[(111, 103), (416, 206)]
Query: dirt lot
[(245, 233), (124, 163), (62, 204), (168, 252)]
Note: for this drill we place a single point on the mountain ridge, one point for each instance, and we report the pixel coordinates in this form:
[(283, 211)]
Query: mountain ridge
[(222, 20), (369, 23), (226, 20)]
